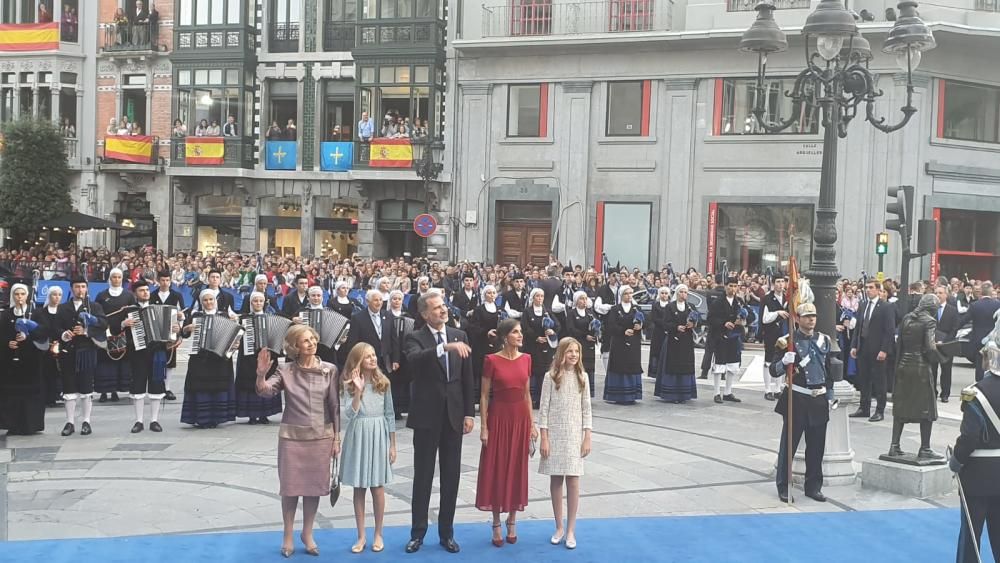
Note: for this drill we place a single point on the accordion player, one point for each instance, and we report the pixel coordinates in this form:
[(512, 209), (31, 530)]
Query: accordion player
[(330, 326), (215, 334), (264, 331), (151, 324), (151, 332), (209, 394)]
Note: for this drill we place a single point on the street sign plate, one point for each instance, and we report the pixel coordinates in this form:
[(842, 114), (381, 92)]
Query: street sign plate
[(425, 225)]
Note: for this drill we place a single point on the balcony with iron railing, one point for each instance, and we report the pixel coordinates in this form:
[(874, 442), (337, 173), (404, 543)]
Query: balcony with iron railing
[(375, 36), (238, 152), (339, 36), (749, 5), (988, 6), (125, 36), (283, 37), (532, 18), (131, 153)]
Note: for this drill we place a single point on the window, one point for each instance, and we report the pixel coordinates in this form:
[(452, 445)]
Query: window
[(284, 36), (631, 15), (755, 237), (531, 17), (623, 232), (735, 99), (527, 110), (202, 95), (69, 21), (404, 95), (207, 12), (969, 112), (628, 109)]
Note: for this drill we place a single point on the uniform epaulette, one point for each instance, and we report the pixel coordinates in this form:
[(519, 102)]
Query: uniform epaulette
[(970, 393)]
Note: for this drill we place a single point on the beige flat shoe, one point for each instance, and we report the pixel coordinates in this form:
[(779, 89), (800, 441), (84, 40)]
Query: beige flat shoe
[(359, 547)]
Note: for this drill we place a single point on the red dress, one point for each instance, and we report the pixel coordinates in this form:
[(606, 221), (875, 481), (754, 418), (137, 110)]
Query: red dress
[(503, 462)]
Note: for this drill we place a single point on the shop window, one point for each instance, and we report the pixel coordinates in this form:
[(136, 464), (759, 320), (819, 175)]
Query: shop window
[(624, 233), (969, 112), (755, 237), (736, 98)]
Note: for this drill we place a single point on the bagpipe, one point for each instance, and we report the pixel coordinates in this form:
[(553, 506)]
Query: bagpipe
[(737, 331), (118, 343), (637, 323), (549, 324), (26, 327), (595, 327), (91, 326)]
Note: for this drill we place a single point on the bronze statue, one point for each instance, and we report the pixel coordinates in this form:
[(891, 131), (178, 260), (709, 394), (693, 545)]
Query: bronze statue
[(914, 396)]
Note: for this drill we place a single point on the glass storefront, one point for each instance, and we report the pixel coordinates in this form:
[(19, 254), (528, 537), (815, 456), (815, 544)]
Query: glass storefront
[(755, 237), (219, 223)]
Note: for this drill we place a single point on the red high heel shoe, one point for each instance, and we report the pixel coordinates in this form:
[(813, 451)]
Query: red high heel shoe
[(497, 542), (511, 539)]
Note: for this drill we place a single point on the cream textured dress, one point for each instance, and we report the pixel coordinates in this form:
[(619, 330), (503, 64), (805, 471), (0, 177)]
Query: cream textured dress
[(565, 413)]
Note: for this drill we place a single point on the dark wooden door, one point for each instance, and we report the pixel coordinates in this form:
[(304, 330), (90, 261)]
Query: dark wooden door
[(523, 244)]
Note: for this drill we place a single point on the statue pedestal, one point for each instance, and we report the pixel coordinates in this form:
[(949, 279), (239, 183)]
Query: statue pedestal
[(838, 460), (918, 481)]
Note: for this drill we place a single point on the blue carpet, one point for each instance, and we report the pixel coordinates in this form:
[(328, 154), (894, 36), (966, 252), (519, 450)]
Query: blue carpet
[(911, 536)]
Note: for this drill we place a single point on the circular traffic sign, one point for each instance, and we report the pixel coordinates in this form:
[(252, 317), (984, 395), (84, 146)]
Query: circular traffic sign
[(425, 225)]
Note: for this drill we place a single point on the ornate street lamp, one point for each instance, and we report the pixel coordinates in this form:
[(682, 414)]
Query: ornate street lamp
[(426, 166), (835, 82)]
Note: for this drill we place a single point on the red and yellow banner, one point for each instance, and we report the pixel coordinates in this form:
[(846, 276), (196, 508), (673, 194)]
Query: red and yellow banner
[(391, 153), (133, 148), (29, 36), (204, 150)]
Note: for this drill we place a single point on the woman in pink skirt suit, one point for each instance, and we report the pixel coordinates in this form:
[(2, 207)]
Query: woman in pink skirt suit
[(308, 437)]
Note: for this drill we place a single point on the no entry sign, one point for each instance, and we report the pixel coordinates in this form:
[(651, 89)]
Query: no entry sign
[(425, 225)]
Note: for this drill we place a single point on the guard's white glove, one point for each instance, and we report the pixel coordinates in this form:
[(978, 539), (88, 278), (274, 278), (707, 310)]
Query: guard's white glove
[(788, 358)]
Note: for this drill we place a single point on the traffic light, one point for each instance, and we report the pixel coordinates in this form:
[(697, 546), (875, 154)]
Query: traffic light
[(902, 209), (882, 243)]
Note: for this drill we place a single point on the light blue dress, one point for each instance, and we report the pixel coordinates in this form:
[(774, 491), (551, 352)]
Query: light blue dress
[(364, 458)]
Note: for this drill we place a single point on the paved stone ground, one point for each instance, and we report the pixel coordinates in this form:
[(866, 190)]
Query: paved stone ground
[(650, 459)]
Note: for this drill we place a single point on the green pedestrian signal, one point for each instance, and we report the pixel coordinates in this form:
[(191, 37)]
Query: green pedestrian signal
[(882, 243)]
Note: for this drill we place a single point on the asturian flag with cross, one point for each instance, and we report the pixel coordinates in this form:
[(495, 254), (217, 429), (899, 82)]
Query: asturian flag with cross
[(336, 157)]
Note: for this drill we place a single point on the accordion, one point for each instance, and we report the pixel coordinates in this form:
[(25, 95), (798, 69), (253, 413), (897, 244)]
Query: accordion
[(264, 332), (330, 325), (153, 323), (216, 334)]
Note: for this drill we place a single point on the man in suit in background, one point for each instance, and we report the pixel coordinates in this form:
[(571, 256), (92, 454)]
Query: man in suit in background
[(947, 328), (871, 345), (373, 326), (441, 411), (296, 300), (981, 313)]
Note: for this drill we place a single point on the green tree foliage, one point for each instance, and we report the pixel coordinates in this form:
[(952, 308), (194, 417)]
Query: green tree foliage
[(34, 176)]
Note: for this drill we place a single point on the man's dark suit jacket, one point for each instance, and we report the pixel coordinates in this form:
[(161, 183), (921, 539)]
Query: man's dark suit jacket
[(362, 330), (881, 330), (435, 399)]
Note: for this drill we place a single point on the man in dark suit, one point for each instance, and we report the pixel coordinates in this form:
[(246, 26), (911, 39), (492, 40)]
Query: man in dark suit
[(981, 313), (871, 345), (374, 326), (165, 295), (947, 328), (466, 299), (296, 300), (441, 411)]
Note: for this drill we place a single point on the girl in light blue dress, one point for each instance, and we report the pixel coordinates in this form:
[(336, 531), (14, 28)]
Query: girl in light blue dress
[(369, 444)]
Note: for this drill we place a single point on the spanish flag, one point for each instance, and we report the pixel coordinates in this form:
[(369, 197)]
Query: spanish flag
[(204, 150), (29, 36), (391, 153), (136, 148)]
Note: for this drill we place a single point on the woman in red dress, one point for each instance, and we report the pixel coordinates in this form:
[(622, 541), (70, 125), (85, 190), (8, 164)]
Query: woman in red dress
[(507, 428)]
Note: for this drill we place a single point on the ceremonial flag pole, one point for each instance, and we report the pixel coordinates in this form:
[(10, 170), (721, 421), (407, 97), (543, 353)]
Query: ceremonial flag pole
[(793, 289)]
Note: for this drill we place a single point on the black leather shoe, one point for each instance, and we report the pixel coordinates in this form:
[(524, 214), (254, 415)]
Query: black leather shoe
[(413, 545), (450, 546), (703, 376), (85, 429), (731, 398), (155, 426), (68, 429), (860, 413), (944, 399), (769, 396), (263, 420), (252, 421), (115, 398), (137, 427), (877, 417), (103, 398), (783, 496), (718, 399), (817, 496), (169, 395)]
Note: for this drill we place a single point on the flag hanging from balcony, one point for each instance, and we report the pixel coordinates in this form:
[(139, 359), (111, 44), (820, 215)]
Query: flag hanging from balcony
[(204, 150), (336, 157), (391, 153), (29, 36), (134, 148), (280, 155)]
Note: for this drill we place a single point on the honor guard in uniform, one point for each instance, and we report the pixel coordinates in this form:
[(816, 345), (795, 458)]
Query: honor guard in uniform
[(810, 407), (725, 326), (165, 295), (976, 457), (113, 373), (79, 320), (148, 367), (774, 317)]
